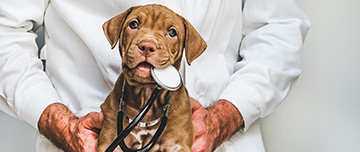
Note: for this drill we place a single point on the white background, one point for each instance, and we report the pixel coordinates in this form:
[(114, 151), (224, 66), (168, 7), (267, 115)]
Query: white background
[(322, 112)]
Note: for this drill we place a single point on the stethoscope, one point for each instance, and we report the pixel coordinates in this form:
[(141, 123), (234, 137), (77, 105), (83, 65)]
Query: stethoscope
[(167, 78)]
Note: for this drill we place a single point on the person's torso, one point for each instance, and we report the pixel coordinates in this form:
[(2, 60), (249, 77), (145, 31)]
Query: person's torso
[(83, 68)]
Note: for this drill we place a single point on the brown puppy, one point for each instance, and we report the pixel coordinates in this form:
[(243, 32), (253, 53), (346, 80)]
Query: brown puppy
[(150, 36)]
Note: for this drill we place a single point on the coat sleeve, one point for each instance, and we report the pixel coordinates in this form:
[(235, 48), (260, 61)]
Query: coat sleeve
[(274, 31), (25, 90)]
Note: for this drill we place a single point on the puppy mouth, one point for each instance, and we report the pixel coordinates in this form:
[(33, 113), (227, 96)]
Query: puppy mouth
[(143, 69)]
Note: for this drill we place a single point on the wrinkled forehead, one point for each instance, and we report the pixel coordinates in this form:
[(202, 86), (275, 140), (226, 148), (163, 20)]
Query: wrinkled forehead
[(156, 16)]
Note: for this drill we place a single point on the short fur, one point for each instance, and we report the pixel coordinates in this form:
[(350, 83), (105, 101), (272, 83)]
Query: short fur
[(160, 51)]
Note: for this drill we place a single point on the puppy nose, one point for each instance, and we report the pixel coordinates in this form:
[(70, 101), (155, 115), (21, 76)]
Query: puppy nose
[(147, 46)]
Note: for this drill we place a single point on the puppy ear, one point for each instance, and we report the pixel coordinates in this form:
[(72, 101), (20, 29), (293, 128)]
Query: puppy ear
[(112, 28), (194, 43)]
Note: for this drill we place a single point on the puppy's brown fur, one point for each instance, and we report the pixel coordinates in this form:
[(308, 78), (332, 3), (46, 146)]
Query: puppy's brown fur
[(150, 44)]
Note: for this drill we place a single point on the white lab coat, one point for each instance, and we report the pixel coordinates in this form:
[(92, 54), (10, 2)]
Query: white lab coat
[(81, 68)]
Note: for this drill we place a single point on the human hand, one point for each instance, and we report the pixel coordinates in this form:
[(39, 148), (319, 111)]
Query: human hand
[(206, 129), (85, 131), (215, 124), (68, 132)]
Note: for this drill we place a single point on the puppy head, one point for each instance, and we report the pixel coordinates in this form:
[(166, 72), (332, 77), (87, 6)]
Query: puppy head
[(152, 36)]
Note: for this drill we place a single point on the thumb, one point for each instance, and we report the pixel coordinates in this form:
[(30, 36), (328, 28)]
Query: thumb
[(94, 120), (195, 105)]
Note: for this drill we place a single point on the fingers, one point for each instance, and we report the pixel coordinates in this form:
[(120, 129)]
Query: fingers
[(198, 116), (199, 145), (88, 130), (199, 119), (199, 122)]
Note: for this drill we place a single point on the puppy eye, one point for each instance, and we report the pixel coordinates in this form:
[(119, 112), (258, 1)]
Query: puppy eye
[(134, 24), (172, 33)]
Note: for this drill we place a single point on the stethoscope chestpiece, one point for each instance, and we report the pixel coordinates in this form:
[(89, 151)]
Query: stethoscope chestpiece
[(168, 78)]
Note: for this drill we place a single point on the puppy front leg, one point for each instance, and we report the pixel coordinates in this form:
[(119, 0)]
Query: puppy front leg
[(108, 132)]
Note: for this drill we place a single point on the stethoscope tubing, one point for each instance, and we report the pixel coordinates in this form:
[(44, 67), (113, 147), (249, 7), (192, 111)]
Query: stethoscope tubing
[(123, 133)]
